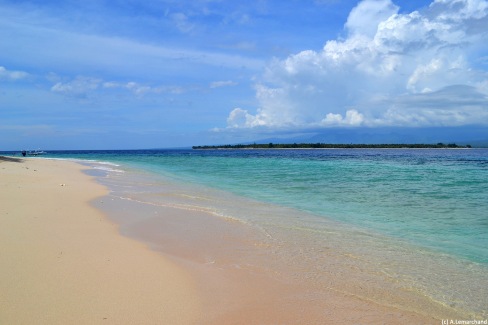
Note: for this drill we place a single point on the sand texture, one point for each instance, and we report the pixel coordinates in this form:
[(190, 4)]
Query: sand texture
[(62, 262)]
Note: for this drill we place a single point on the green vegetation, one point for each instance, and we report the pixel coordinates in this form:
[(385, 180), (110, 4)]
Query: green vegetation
[(332, 146)]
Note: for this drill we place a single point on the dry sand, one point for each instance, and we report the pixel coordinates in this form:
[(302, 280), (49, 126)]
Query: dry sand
[(62, 262)]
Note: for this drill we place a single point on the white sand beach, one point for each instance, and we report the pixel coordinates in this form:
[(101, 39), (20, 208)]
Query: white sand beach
[(62, 262)]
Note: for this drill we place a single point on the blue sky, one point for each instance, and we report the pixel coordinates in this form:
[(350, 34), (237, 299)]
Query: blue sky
[(99, 74)]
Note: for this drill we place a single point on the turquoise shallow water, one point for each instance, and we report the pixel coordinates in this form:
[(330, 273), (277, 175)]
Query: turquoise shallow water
[(433, 198)]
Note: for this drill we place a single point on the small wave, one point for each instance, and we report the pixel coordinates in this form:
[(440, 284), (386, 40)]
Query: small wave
[(187, 207), (106, 163), (109, 169), (82, 161)]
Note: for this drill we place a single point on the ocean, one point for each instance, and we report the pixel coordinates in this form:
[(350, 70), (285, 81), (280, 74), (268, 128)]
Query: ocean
[(418, 218)]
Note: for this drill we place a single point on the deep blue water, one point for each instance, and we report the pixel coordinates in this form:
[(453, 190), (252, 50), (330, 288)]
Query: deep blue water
[(434, 198)]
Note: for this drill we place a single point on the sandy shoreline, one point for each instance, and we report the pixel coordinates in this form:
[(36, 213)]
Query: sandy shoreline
[(63, 262), (66, 263)]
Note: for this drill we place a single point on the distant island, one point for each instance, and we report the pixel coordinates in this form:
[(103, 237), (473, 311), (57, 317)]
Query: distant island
[(333, 146)]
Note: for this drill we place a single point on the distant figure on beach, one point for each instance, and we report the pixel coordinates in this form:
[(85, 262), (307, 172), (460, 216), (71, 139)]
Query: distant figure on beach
[(24, 153)]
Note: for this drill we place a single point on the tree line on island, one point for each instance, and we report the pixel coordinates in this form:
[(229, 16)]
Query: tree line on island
[(270, 145)]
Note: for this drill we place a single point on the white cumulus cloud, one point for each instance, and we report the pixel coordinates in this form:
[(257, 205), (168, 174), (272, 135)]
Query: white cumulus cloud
[(367, 15), (352, 118), (407, 69), (240, 118)]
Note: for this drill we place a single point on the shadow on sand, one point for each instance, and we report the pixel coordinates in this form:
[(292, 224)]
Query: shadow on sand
[(11, 159)]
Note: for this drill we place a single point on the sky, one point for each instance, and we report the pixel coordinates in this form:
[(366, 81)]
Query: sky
[(120, 74)]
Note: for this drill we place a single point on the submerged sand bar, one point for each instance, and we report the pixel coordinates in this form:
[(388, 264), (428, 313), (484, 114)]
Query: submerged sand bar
[(62, 262)]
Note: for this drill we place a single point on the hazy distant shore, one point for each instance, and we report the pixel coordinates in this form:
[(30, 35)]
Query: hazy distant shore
[(296, 146)]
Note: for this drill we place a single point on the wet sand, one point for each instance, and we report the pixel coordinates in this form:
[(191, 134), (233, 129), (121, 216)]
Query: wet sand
[(247, 276), (63, 262)]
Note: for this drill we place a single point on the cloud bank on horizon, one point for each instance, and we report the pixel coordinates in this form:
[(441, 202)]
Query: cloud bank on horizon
[(423, 68)]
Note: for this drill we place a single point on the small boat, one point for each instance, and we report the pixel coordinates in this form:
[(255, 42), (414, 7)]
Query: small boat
[(36, 153)]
